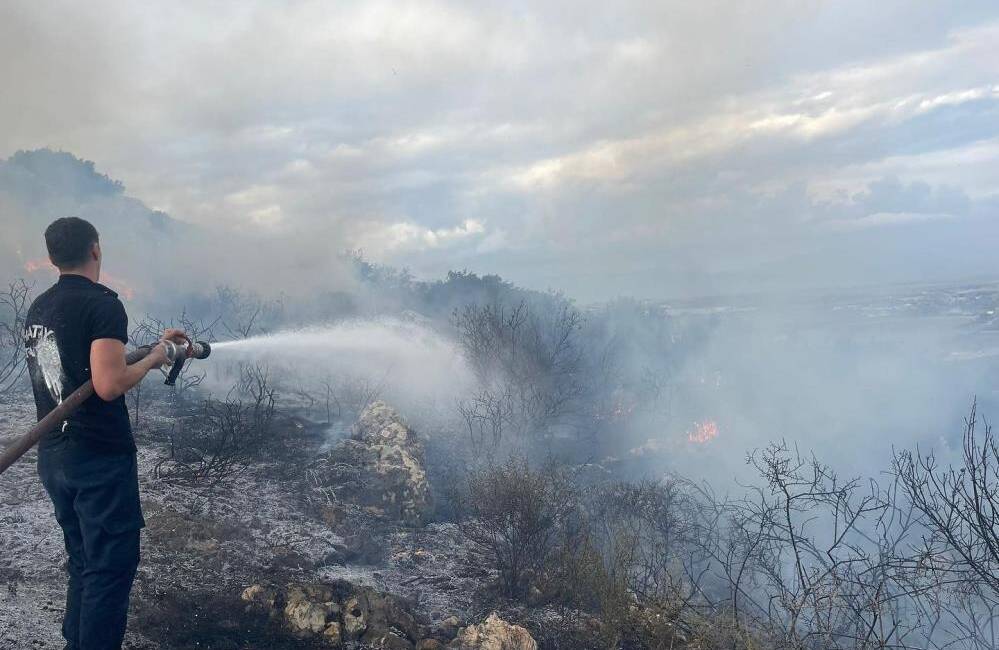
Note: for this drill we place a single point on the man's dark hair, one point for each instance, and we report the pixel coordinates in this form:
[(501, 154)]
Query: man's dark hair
[(69, 240)]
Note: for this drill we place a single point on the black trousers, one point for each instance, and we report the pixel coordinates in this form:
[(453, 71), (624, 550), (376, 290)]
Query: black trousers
[(96, 499)]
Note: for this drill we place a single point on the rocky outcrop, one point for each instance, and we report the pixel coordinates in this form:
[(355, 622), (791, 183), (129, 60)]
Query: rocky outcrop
[(339, 612), (380, 468), (312, 609), (494, 634)]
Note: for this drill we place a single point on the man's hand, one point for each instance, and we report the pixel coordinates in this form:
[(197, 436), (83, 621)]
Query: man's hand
[(157, 357), (179, 337), (112, 378)]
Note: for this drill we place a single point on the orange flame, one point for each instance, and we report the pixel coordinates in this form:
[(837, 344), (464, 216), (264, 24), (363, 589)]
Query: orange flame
[(703, 432), (120, 286), (37, 265)]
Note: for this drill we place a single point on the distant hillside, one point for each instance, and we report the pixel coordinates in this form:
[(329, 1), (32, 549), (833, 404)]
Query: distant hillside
[(44, 172), (150, 257), (41, 185)]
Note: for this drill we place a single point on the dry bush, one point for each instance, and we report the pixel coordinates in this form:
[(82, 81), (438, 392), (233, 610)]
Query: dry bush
[(956, 568), (528, 362), (811, 560), (227, 436), (148, 331), (652, 532), (519, 516), (337, 396), (801, 560), (635, 559), (14, 303), (351, 394), (961, 504), (447, 463), (243, 313), (718, 630), (633, 556), (486, 416), (582, 578)]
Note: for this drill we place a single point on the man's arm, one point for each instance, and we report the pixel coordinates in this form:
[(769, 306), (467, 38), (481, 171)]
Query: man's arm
[(112, 377)]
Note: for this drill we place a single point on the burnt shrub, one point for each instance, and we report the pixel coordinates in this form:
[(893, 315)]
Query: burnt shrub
[(520, 516), (528, 361), (226, 436), (650, 536), (14, 301), (628, 555), (632, 560)]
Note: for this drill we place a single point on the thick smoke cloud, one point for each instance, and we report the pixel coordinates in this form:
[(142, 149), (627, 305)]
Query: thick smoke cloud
[(691, 148), (659, 151), (153, 260)]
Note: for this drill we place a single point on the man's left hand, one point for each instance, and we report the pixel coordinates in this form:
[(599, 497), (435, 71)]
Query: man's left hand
[(179, 337)]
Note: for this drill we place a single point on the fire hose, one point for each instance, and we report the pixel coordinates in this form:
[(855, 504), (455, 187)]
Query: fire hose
[(177, 354)]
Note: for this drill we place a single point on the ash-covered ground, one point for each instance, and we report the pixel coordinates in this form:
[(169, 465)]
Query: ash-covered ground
[(293, 504), (205, 544)]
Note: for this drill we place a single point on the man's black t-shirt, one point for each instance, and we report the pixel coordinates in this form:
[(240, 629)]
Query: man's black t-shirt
[(61, 325)]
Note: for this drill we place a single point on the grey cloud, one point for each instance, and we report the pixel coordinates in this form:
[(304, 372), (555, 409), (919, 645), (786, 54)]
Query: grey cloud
[(578, 145)]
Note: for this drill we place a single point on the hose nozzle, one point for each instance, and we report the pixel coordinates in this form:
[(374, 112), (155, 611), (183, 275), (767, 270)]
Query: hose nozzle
[(178, 354), (200, 350)]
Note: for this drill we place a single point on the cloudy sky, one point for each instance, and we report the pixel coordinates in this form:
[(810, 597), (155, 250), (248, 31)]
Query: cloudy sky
[(647, 148)]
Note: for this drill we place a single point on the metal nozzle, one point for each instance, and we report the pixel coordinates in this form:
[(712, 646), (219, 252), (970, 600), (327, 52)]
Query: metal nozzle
[(174, 352), (179, 353), (200, 349)]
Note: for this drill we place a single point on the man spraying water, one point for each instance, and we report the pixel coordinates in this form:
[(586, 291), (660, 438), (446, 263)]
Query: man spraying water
[(76, 333)]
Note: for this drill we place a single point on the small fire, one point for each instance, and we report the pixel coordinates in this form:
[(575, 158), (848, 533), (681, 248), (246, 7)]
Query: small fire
[(37, 265), (119, 285), (703, 432)]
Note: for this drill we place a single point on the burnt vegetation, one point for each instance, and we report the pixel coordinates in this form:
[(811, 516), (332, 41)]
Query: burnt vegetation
[(14, 303), (225, 435), (801, 558)]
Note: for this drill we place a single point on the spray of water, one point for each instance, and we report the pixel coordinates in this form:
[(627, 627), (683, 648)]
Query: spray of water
[(383, 337), (407, 359)]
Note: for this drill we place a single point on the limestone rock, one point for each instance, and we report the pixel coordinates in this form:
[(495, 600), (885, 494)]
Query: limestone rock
[(339, 612), (494, 634), (429, 644), (305, 617), (260, 595), (310, 608), (379, 620), (380, 468), (333, 635), (387, 641), (355, 620), (450, 626)]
